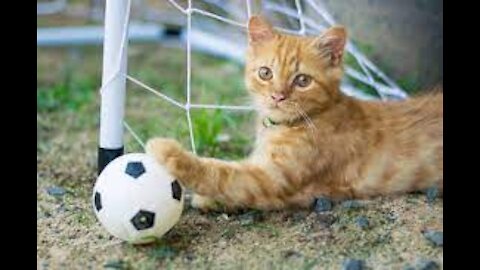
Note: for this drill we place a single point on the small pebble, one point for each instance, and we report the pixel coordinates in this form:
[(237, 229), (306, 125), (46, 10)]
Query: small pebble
[(190, 256), (322, 205), (61, 208), (391, 216), (432, 194), (435, 237), (202, 221), (114, 264), (362, 222), (56, 191), (299, 216), (351, 204), (45, 265), (222, 244), (250, 218), (353, 264), (427, 265), (291, 253), (326, 220)]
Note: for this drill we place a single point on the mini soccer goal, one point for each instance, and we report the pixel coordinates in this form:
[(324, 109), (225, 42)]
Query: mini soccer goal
[(363, 79)]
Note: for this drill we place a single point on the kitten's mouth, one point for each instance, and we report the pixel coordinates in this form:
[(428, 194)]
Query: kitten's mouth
[(279, 110), (276, 108), (276, 105), (280, 106)]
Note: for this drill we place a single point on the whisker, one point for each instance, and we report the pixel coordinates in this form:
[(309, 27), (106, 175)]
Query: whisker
[(312, 128), (309, 123), (305, 116)]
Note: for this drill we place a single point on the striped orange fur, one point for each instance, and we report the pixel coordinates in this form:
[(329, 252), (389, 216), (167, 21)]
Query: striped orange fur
[(322, 142)]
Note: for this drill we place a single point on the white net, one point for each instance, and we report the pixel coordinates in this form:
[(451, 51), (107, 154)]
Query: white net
[(361, 73)]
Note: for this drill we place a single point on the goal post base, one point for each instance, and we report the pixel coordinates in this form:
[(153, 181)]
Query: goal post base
[(105, 156)]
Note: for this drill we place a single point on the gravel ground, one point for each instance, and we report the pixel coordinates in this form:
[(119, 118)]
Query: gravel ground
[(385, 233)]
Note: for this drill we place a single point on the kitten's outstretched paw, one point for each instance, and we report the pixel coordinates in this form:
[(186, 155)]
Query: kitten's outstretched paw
[(163, 149), (169, 153)]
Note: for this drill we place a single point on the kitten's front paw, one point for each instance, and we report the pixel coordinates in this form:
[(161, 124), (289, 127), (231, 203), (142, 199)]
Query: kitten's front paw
[(169, 153), (163, 149)]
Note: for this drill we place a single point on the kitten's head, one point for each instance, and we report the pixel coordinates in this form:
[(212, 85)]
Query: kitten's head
[(289, 75)]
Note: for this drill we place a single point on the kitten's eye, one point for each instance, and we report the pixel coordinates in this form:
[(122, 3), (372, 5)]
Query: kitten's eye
[(265, 73), (302, 80)]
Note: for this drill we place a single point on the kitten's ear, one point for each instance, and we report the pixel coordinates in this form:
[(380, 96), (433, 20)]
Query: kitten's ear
[(259, 30), (331, 44)]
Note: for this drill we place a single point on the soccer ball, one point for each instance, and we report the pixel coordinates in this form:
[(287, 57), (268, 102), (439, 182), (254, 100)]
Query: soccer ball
[(136, 199)]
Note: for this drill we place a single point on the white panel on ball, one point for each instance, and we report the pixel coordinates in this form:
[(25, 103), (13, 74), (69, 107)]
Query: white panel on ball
[(136, 199)]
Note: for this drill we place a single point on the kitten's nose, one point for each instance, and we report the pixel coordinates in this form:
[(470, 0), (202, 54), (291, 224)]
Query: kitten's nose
[(277, 97)]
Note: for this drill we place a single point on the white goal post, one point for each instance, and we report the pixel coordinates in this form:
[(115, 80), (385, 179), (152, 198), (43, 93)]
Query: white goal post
[(112, 93)]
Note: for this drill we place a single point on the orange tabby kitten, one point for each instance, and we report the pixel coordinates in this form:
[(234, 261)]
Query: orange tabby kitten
[(312, 140)]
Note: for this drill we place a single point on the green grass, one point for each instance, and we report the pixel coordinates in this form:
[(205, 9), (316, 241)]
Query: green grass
[(72, 96), (162, 253), (210, 125), (267, 228), (409, 83), (214, 81)]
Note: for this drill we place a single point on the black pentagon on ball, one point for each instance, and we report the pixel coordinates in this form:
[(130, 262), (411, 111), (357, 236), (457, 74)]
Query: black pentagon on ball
[(135, 169), (97, 200), (143, 220), (176, 190)]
